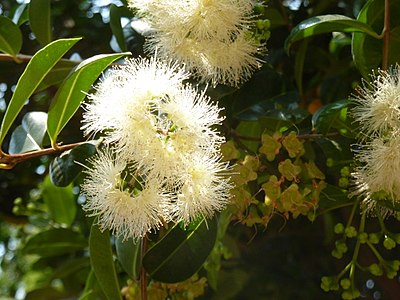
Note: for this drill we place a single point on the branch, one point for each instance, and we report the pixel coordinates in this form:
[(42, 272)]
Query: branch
[(386, 36), (9, 161)]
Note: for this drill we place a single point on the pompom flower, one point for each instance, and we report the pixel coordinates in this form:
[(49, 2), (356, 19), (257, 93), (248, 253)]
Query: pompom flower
[(121, 207), (210, 37), (165, 163), (378, 104), (377, 111), (204, 188)]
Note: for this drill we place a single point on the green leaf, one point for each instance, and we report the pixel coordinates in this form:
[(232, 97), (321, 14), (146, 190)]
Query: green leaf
[(65, 168), (70, 267), (326, 24), (60, 202), (29, 135), (21, 14), (367, 51), (181, 253), (116, 12), (92, 289), (56, 241), (102, 262), (72, 91), (129, 255), (333, 116), (299, 65), (57, 74), (39, 20), (37, 68), (10, 37)]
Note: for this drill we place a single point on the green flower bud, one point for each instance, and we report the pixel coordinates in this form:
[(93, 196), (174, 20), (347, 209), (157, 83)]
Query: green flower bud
[(339, 228), (350, 231), (389, 243), (345, 172), (343, 182), (345, 283), (363, 237), (330, 162), (375, 269), (374, 238)]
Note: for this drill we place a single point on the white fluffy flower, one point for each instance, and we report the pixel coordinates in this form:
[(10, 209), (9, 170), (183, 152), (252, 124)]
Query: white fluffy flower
[(210, 37), (204, 188), (126, 95), (378, 104), (123, 209)]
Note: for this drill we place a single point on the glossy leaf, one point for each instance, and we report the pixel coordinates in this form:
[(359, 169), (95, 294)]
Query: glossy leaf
[(40, 21), (129, 254), (72, 91), (60, 202), (367, 51), (65, 168), (56, 241), (326, 24), (10, 37), (29, 135), (181, 253), (37, 68), (333, 116), (101, 258), (57, 74), (21, 14), (116, 13)]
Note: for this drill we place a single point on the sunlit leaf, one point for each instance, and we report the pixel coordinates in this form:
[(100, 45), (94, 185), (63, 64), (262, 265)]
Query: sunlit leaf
[(57, 74), (10, 37), (66, 167), (72, 91), (60, 201), (326, 24), (40, 21), (56, 241), (101, 258), (181, 253), (29, 135), (37, 68), (116, 13), (21, 14)]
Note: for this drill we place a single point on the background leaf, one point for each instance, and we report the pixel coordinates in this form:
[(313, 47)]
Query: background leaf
[(181, 253), (10, 37), (102, 262), (66, 167), (57, 74), (116, 13), (37, 68), (60, 201), (72, 91), (367, 51), (56, 241), (29, 135), (40, 21), (325, 24), (129, 255)]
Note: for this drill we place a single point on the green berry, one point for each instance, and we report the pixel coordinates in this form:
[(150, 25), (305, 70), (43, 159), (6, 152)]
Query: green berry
[(330, 162), (341, 246), (344, 182), (363, 237), (345, 283), (375, 269), (350, 231), (337, 254), (339, 228), (374, 238), (345, 171), (389, 243)]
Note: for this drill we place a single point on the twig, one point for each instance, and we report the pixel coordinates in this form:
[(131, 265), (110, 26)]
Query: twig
[(9, 161), (386, 36), (143, 274)]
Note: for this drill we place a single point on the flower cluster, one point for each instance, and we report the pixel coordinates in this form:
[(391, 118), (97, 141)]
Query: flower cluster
[(164, 163), (377, 111), (210, 37)]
